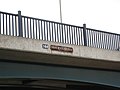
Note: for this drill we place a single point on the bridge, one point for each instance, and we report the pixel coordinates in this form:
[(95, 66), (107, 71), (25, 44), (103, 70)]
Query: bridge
[(43, 54)]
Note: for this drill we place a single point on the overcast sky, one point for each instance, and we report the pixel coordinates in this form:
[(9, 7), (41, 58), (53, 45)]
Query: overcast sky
[(97, 14)]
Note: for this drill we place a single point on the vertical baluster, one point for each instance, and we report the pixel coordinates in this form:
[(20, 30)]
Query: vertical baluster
[(39, 28), (88, 37), (82, 35), (52, 32), (93, 34), (91, 37), (115, 42), (109, 47), (75, 39), (106, 41), (12, 25), (67, 37), (3, 25), (60, 32), (9, 25), (75, 36), (111, 42), (28, 29), (24, 27), (15, 25), (103, 40), (102, 37), (73, 29), (107, 44), (33, 30), (65, 34), (72, 35), (99, 39), (78, 38), (57, 33), (44, 30), (36, 29), (6, 26), (47, 31), (96, 42)]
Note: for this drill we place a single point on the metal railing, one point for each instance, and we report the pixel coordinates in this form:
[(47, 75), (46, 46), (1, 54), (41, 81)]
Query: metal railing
[(34, 28), (51, 31), (101, 39)]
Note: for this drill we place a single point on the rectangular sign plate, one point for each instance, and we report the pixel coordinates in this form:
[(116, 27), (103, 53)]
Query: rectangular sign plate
[(61, 48)]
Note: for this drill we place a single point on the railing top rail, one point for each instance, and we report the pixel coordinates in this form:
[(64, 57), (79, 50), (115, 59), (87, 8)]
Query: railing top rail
[(52, 21), (102, 31), (8, 13)]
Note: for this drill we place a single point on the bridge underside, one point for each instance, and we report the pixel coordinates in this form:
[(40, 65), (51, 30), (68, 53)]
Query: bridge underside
[(44, 75), (48, 84)]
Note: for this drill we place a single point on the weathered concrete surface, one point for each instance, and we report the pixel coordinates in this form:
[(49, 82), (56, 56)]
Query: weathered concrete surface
[(24, 49)]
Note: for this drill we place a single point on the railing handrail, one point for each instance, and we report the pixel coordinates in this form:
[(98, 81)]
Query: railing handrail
[(52, 21), (102, 31), (8, 13)]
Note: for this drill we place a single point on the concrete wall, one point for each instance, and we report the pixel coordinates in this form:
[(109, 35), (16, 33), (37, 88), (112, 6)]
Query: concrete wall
[(9, 45)]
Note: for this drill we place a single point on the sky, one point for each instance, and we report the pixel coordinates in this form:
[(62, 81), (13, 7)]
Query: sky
[(97, 14)]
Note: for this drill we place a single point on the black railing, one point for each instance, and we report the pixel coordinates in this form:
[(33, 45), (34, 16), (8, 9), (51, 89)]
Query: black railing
[(34, 28), (100, 39), (51, 31)]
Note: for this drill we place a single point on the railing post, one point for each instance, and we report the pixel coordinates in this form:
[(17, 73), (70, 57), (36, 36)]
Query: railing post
[(84, 34), (20, 24)]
